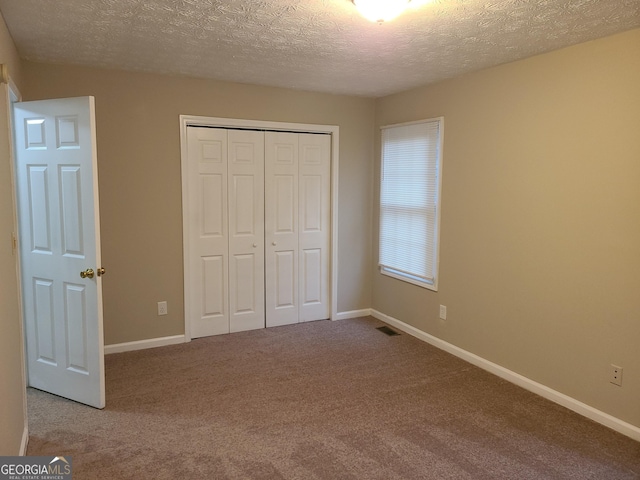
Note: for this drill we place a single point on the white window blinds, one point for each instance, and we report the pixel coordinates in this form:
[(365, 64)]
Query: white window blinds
[(409, 201)]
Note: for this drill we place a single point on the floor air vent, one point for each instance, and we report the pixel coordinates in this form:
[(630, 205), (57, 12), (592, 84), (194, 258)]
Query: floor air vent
[(387, 330)]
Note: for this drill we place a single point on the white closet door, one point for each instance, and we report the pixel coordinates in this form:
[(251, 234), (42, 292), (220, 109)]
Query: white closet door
[(208, 232), (281, 224), (246, 229), (258, 219), (314, 171)]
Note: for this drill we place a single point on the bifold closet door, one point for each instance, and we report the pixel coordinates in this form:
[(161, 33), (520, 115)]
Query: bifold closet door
[(281, 228), (207, 225), (246, 230), (314, 213), (226, 230), (297, 227)]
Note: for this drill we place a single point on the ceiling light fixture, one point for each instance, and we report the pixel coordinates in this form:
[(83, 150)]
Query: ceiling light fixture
[(380, 10)]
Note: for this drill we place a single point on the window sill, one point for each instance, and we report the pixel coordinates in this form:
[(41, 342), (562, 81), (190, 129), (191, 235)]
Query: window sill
[(433, 286)]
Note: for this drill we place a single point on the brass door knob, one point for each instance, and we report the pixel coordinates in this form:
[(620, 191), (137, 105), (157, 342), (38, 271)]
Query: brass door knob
[(101, 271), (88, 273)]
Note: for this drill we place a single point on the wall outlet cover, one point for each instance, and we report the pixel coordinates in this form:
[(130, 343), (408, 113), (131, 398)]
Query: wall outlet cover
[(615, 375), (162, 308)]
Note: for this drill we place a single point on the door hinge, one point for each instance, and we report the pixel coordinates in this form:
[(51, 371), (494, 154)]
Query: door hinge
[(14, 243)]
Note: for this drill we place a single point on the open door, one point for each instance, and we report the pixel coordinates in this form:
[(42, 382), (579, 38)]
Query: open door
[(61, 271)]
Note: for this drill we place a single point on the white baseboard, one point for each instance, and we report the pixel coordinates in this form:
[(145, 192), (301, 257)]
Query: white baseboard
[(524, 382), (142, 344), (365, 312), (25, 441)]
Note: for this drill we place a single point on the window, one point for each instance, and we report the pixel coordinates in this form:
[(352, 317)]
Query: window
[(410, 201)]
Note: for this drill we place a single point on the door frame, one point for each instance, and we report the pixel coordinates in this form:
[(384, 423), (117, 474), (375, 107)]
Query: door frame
[(200, 121), (13, 95)]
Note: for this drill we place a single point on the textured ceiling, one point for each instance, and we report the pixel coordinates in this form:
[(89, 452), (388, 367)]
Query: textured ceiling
[(318, 45)]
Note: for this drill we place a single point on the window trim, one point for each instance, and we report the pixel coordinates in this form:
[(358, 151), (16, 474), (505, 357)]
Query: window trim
[(395, 273)]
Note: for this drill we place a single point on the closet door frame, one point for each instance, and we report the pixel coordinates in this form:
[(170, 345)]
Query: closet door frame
[(333, 130)]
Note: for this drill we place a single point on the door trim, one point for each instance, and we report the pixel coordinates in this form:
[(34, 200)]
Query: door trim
[(12, 95), (333, 130)]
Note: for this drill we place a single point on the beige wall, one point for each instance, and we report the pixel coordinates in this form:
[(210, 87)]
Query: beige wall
[(12, 393), (137, 118), (540, 233)]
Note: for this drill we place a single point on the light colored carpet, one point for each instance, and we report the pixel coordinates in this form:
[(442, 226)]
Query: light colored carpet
[(324, 400)]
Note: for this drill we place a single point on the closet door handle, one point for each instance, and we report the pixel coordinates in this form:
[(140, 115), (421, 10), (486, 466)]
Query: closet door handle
[(255, 245), (273, 243)]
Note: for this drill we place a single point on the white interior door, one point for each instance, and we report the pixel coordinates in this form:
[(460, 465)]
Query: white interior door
[(281, 225), (246, 229), (225, 178), (297, 218), (208, 232), (315, 225), (57, 191), (257, 222)]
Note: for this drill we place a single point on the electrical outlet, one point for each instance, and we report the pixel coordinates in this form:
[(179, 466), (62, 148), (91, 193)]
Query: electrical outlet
[(615, 375), (443, 312), (162, 308)]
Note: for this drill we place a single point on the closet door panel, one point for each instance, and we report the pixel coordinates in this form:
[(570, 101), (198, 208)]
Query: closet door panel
[(315, 224), (281, 228), (243, 288), (246, 229), (208, 236), (312, 276), (213, 285)]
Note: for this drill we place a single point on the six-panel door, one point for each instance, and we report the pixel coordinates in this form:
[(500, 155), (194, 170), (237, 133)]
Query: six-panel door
[(60, 238)]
